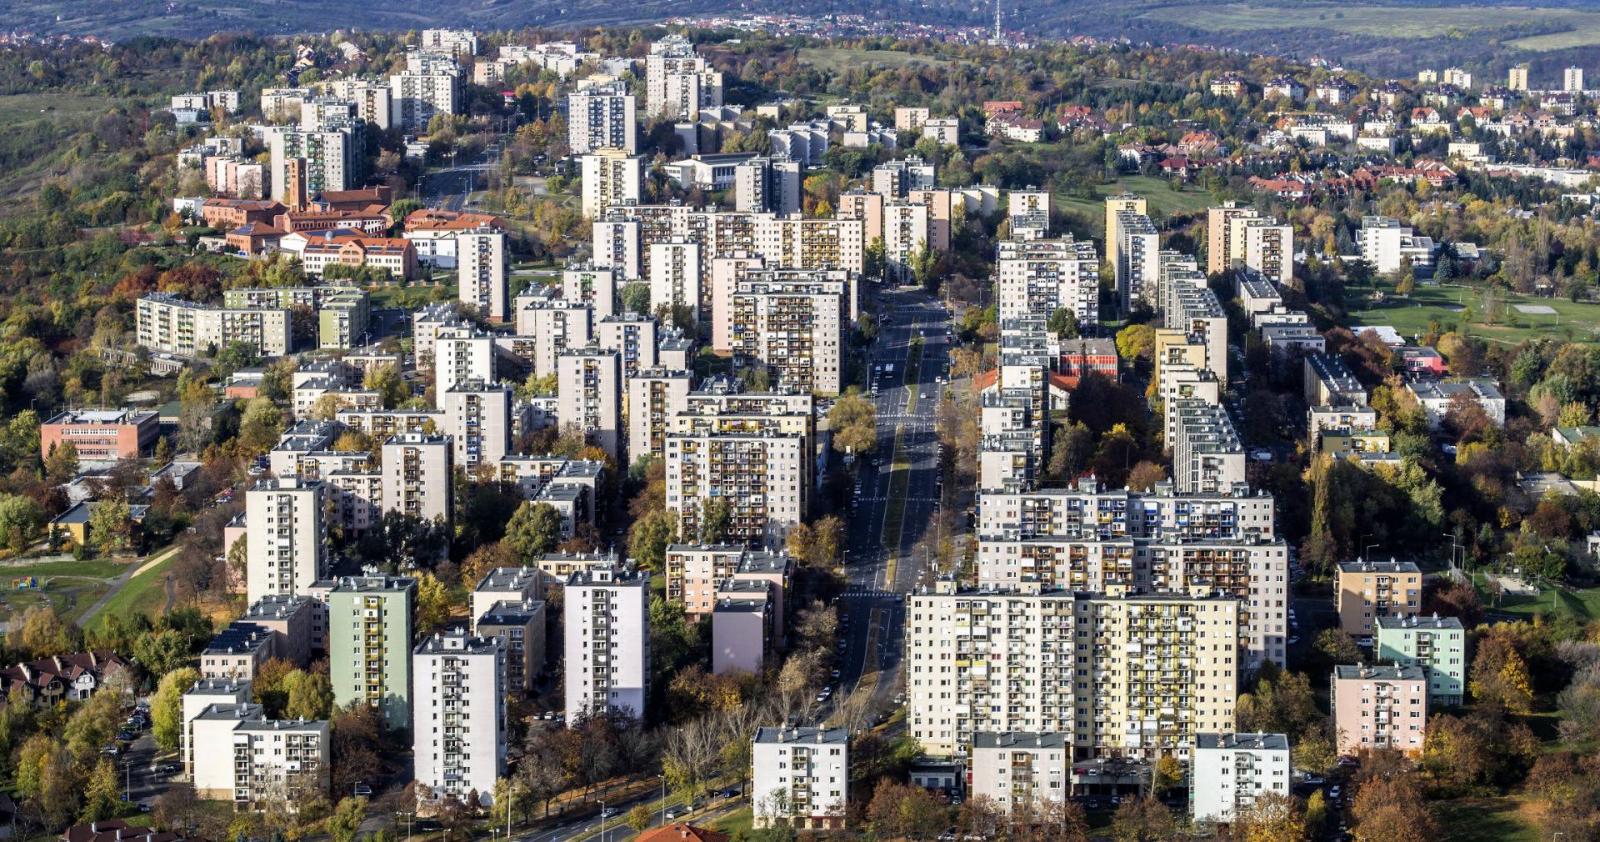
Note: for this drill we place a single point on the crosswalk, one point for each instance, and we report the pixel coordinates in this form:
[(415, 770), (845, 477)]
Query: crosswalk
[(870, 594)]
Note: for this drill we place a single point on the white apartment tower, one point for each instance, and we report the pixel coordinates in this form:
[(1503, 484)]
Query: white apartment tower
[(679, 83), (607, 639), (1038, 277), (1228, 772), (482, 268), (611, 177), (602, 117), (286, 547), (458, 731)]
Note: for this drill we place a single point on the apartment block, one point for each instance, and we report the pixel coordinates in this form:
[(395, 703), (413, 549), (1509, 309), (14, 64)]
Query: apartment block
[(767, 185), (633, 337), (373, 100), (1224, 246), (203, 694), (458, 735), (1329, 382), (172, 325), (1021, 770), (800, 777), (1135, 676), (610, 177), (742, 630), (418, 476), (607, 641), (1367, 590), (1039, 277), (696, 572), (519, 625), (654, 396), (332, 157), (795, 328), (1387, 244), (1087, 511), (483, 264), (1207, 454), (1138, 260), (1437, 644), (675, 275), (1228, 772), (679, 83), (253, 761), (589, 395), (369, 643), (592, 287), (602, 117), (287, 547), (477, 423), (896, 179), (760, 479), (1269, 249), (905, 235), (428, 87), (1122, 203), (462, 355), (1379, 707)]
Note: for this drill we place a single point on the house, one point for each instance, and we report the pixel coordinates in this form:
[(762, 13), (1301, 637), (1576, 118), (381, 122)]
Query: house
[(1421, 360), (117, 830), (47, 680), (681, 832), (72, 526)]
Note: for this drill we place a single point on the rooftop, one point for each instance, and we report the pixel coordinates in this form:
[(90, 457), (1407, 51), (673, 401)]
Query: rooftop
[(1379, 673), (1390, 566), (805, 734), (1021, 739), (1435, 622), (1267, 742)]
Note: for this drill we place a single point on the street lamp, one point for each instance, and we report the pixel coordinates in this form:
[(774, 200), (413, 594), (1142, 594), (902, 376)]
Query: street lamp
[(663, 799), (602, 821)]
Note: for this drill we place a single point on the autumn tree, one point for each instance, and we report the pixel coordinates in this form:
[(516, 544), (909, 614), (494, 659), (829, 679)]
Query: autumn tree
[(166, 709), (854, 422), (1143, 820), (534, 530), (1272, 817), (1499, 675)]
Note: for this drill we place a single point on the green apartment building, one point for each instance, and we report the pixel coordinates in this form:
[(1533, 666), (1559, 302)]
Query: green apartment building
[(343, 311), (369, 643), (1438, 644)]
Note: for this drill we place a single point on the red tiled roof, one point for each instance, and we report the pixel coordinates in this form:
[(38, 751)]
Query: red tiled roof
[(681, 833)]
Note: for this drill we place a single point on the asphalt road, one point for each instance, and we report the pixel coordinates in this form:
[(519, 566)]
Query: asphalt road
[(879, 576)]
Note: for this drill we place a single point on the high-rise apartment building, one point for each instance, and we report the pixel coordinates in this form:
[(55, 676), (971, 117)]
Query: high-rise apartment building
[(369, 644), (905, 236), (679, 83), (654, 396), (764, 184), (286, 551), (591, 286), (458, 734), (483, 264), (430, 85), (1135, 676), (1018, 770), (610, 177), (1039, 277), (676, 268), (419, 476), (607, 640), (1138, 261), (477, 421), (1207, 453), (1125, 202), (1221, 248), (1269, 249), (793, 327), (602, 117), (589, 396), (332, 157)]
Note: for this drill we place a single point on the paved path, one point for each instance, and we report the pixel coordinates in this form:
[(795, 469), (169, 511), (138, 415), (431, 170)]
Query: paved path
[(121, 581)]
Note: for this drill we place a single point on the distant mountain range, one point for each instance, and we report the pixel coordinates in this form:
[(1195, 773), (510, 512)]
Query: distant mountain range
[(1379, 35)]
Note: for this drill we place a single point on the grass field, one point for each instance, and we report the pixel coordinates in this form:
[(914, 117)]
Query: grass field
[(1574, 321), (738, 821), (1157, 192), (19, 107), (838, 58), (98, 569), (1486, 820), (1581, 28), (144, 593), (1582, 604)]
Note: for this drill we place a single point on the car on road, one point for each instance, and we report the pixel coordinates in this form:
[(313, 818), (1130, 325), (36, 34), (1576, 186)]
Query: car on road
[(608, 812), (1261, 455), (730, 792), (361, 789), (673, 813)]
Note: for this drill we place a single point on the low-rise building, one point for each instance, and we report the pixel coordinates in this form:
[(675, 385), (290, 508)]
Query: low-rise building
[(1021, 770), (1367, 590), (103, 435), (1228, 772), (1437, 644), (1379, 707), (800, 776)]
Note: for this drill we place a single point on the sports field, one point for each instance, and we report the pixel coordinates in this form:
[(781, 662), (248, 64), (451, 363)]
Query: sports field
[(1448, 305)]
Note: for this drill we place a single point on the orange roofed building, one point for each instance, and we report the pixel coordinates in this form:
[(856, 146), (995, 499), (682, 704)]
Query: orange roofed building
[(397, 255), (681, 833)]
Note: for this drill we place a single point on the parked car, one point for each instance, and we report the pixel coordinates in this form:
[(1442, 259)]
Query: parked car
[(361, 790)]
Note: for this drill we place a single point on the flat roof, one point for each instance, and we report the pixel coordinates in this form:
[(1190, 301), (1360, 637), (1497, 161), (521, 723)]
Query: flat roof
[(1266, 742)]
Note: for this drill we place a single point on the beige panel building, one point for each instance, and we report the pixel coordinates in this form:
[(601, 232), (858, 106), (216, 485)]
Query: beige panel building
[(654, 396), (1367, 590), (286, 550), (1136, 676), (483, 265), (418, 476), (611, 177), (589, 396)]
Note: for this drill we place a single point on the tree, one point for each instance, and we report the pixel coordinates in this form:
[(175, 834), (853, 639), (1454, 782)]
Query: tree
[(346, 820), (649, 537), (716, 516), (1272, 817), (636, 298), (388, 383), (111, 526), (1145, 475), (854, 422), (905, 810), (1063, 323), (20, 519), (309, 695), (166, 709), (1168, 774), (161, 652), (433, 603), (1391, 807), (103, 793), (1499, 675), (534, 529), (1143, 820), (260, 425), (639, 817), (1338, 646), (1136, 342), (45, 634)]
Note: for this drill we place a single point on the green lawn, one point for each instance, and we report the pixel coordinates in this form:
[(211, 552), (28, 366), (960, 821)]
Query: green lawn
[(1444, 304), (144, 593), (96, 569), (1485, 820), (1581, 604), (1158, 194), (17, 107), (738, 821)]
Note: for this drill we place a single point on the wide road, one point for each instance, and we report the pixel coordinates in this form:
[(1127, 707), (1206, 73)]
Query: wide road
[(881, 567)]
